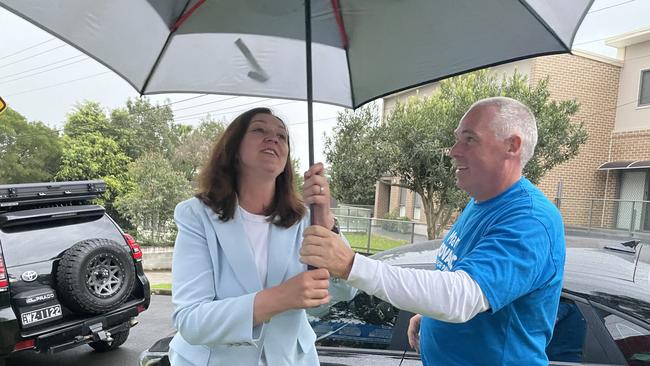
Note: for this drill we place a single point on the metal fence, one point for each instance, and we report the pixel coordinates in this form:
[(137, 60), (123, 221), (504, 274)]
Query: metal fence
[(612, 214), (352, 211), (370, 235)]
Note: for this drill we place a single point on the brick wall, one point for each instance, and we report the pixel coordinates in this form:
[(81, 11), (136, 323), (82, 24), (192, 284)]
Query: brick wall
[(410, 200), (594, 84), (394, 198), (631, 145), (382, 197)]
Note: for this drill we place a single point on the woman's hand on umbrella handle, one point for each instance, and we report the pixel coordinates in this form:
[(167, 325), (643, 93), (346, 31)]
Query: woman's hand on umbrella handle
[(302, 291), (316, 193)]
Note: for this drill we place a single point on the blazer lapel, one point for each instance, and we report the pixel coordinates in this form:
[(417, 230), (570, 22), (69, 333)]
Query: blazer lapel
[(281, 250), (231, 237)]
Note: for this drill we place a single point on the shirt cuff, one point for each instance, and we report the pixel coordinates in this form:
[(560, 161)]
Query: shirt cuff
[(363, 273)]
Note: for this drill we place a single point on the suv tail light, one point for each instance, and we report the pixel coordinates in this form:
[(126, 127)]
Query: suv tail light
[(4, 280), (25, 344), (135, 248)]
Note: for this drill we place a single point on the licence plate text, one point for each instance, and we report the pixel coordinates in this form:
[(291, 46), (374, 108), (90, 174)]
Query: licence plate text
[(41, 314)]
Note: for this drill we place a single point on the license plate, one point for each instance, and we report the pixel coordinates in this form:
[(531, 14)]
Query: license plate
[(41, 314)]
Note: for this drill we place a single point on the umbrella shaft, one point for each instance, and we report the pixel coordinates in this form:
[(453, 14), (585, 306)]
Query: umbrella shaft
[(310, 95)]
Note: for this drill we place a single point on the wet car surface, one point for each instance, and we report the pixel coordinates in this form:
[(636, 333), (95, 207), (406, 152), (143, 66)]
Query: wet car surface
[(603, 316)]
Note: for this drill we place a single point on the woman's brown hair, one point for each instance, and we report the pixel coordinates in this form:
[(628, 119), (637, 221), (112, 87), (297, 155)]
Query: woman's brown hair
[(218, 180)]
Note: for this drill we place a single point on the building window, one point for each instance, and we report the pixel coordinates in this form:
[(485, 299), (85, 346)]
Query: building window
[(644, 90), (402, 202), (417, 207)]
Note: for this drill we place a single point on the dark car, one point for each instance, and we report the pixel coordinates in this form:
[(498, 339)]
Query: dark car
[(69, 275), (603, 316)]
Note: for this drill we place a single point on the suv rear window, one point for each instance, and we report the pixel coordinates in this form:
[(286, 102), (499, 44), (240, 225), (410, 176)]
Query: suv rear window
[(21, 244)]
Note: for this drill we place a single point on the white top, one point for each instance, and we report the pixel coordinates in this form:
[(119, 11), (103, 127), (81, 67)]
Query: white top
[(448, 296), (256, 231)]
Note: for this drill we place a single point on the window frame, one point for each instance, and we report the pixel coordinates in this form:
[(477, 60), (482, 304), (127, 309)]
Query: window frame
[(644, 72)]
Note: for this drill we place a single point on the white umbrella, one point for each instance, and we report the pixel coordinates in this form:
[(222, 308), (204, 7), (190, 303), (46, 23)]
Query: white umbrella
[(360, 49)]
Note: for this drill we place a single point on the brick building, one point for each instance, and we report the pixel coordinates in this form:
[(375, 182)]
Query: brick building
[(607, 183)]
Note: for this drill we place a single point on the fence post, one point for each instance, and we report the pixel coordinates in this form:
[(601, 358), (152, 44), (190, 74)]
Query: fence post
[(591, 210), (412, 232), (369, 232), (558, 195)]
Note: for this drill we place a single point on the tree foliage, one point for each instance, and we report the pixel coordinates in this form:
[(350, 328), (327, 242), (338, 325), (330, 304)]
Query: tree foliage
[(194, 146), (145, 158), (93, 156), (90, 151), (29, 151), (352, 154), (88, 118), (157, 188), (298, 176), (413, 142), (142, 127)]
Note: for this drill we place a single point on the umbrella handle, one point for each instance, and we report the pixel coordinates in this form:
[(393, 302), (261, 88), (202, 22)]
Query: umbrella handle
[(311, 221)]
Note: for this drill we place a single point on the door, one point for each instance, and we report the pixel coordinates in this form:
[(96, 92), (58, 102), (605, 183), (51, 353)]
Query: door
[(632, 188)]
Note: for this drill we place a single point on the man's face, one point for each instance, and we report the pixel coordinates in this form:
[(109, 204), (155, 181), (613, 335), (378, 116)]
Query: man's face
[(479, 155)]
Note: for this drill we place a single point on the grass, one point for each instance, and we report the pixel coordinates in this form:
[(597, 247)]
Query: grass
[(359, 241), (162, 286)]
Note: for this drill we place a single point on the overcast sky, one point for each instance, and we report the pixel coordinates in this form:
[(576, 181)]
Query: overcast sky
[(45, 81)]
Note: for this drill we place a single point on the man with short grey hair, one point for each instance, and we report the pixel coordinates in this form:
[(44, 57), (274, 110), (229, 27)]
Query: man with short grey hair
[(494, 295), (514, 117)]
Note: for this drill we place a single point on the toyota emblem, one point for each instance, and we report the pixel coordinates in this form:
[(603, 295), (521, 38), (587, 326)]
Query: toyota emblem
[(29, 276)]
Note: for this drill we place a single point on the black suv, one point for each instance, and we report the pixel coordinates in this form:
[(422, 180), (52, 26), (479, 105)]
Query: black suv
[(68, 274)]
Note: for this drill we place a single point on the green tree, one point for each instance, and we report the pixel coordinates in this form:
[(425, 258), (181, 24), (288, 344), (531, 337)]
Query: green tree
[(87, 117), (298, 176), (93, 156), (416, 138), (413, 142), (29, 151), (142, 127), (93, 149), (156, 191), (419, 133), (352, 154), (194, 146)]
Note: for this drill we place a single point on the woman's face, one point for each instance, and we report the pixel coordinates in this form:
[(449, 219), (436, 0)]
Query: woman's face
[(265, 146)]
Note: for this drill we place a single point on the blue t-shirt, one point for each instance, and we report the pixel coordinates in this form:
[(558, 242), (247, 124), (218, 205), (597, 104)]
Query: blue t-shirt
[(513, 246)]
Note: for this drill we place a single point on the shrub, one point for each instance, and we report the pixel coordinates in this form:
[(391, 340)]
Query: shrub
[(403, 227)]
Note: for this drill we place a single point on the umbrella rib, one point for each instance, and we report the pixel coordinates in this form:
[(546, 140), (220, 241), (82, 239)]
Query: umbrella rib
[(162, 51), (338, 13), (339, 22), (541, 21), (186, 15)]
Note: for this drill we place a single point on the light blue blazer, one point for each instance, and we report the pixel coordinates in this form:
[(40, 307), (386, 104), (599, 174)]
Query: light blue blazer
[(214, 282)]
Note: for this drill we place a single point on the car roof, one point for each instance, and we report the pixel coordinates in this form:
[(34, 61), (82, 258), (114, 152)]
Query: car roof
[(600, 270)]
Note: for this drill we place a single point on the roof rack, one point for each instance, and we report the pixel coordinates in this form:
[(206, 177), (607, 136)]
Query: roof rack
[(14, 196)]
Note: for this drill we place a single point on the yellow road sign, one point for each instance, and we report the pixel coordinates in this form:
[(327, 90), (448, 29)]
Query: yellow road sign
[(3, 105)]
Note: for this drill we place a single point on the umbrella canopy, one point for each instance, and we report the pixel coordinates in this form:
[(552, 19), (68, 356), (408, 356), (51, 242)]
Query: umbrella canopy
[(361, 49)]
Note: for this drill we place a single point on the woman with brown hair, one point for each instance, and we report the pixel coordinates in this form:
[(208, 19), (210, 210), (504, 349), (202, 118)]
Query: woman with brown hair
[(239, 289)]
